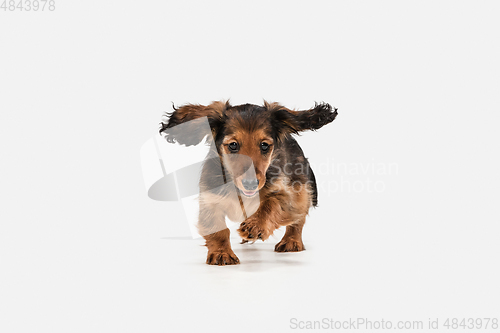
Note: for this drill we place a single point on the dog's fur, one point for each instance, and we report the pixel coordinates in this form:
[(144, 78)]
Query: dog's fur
[(286, 182)]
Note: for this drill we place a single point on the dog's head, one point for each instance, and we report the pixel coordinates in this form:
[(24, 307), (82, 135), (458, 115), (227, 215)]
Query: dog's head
[(246, 136)]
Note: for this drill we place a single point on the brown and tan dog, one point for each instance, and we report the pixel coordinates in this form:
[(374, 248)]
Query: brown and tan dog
[(282, 177)]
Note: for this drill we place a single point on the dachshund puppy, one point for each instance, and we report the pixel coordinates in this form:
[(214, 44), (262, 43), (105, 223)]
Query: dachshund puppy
[(259, 159)]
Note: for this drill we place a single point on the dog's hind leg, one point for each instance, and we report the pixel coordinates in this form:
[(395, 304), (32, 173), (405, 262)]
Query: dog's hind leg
[(292, 240)]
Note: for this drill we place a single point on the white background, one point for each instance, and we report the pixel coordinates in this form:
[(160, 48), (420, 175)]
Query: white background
[(82, 247)]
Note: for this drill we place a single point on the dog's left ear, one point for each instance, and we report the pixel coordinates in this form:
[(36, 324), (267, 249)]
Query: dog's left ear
[(287, 121), (193, 119)]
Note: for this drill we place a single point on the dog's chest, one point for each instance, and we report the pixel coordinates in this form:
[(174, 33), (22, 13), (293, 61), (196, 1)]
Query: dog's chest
[(238, 211)]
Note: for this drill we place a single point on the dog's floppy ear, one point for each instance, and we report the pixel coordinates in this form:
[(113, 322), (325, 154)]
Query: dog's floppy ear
[(286, 121), (193, 118)]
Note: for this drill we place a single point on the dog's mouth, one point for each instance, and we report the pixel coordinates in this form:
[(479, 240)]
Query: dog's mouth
[(248, 194)]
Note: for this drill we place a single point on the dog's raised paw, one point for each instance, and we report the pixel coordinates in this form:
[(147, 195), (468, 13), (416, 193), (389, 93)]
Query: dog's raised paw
[(222, 258), (250, 231), (289, 245)]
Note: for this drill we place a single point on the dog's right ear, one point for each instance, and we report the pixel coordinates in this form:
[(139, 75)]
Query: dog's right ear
[(193, 118)]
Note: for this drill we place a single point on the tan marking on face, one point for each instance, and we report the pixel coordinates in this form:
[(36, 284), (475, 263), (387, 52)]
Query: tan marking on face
[(249, 144)]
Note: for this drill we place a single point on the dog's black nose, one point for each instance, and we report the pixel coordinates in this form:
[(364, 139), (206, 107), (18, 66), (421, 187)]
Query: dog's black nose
[(250, 184)]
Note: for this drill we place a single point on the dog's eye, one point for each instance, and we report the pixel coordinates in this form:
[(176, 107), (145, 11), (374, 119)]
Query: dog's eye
[(264, 146), (233, 147)]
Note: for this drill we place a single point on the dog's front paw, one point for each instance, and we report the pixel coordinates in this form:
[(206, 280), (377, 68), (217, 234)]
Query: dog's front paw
[(251, 230), (289, 245), (222, 258)]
